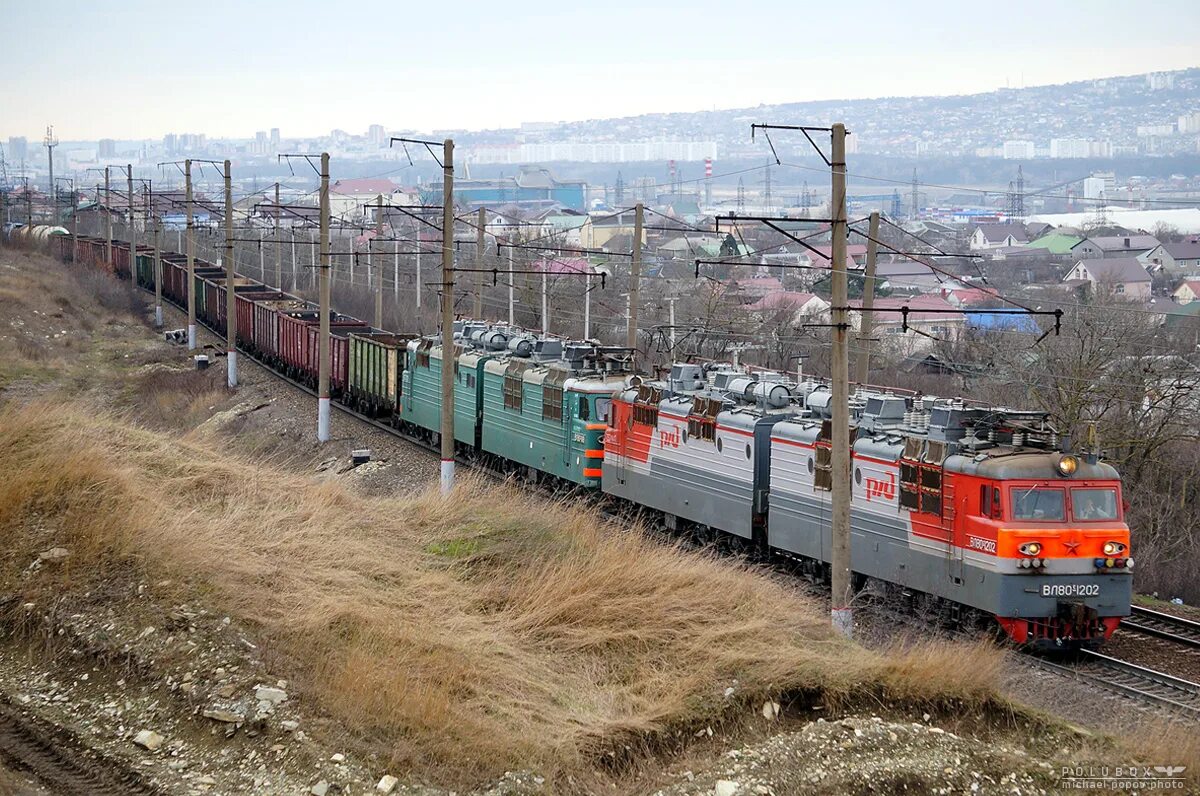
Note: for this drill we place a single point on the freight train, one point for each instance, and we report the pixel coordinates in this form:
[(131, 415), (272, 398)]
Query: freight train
[(976, 508)]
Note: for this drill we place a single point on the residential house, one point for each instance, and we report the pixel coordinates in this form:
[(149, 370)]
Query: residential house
[(1063, 244), (1125, 276), (348, 198), (604, 228), (937, 320), (802, 306), (1187, 292), (568, 229), (1182, 257), (1125, 245), (911, 277), (991, 236), (748, 291)]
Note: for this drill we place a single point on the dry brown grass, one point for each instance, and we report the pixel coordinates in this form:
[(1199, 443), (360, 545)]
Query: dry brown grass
[(50, 314), (463, 636), (168, 397)]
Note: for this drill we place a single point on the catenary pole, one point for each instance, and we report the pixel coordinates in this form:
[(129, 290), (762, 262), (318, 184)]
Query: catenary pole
[(840, 610), (377, 273), (132, 225), (323, 338), (587, 306), (862, 362), (479, 247), (511, 289), (635, 273), (230, 292), (158, 311), (278, 245), (447, 326), (191, 254), (107, 216)]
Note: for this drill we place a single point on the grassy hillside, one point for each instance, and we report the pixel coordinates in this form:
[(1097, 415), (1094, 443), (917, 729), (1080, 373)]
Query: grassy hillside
[(460, 637)]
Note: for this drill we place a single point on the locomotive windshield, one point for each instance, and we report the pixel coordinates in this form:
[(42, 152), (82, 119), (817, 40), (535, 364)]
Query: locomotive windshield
[(1094, 504), (601, 404), (1045, 505)]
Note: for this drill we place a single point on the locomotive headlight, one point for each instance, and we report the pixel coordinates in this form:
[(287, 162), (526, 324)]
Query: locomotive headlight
[(1129, 563), (1113, 548), (1067, 465), (1030, 548)]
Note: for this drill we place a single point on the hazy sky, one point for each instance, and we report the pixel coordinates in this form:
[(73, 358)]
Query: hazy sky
[(141, 69)]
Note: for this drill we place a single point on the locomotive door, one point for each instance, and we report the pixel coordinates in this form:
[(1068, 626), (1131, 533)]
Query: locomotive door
[(954, 551)]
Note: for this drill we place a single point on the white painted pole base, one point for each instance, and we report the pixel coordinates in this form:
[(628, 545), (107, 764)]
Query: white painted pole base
[(843, 621), (191, 337), (158, 322), (322, 420), (232, 360), (447, 479)]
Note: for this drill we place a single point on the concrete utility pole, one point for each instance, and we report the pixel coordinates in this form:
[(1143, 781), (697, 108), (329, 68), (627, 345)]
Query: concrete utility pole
[(587, 304), (841, 595), (418, 276), (132, 226), (107, 216), (52, 142), (545, 309), (512, 276), (447, 331), (480, 243), (74, 222), (323, 344), (863, 361), (635, 273), (230, 293), (278, 245), (158, 312), (377, 273), (671, 303), (191, 255)]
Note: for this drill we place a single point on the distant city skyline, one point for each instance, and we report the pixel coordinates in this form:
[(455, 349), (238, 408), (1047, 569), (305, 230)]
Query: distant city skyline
[(141, 70)]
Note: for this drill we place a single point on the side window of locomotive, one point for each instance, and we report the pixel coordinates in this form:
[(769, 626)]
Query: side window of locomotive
[(989, 502), (602, 407), (1039, 505), (584, 413), (1092, 504)]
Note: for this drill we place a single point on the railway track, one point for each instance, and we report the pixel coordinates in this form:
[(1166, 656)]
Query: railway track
[(1149, 686), (1158, 624)]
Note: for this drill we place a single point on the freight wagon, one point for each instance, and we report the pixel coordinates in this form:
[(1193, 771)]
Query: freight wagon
[(375, 379)]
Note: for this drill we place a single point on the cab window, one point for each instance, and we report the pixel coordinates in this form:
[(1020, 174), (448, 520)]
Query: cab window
[(584, 413), (602, 406), (1040, 505), (1090, 504), (989, 502)]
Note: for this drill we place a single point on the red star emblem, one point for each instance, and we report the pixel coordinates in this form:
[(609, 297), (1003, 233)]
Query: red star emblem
[(1072, 546)]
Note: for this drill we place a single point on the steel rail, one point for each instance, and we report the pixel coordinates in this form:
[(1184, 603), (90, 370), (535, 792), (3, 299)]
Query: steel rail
[(1162, 625)]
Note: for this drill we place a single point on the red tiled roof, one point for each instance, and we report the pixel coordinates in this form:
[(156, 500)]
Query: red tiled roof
[(787, 300)]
